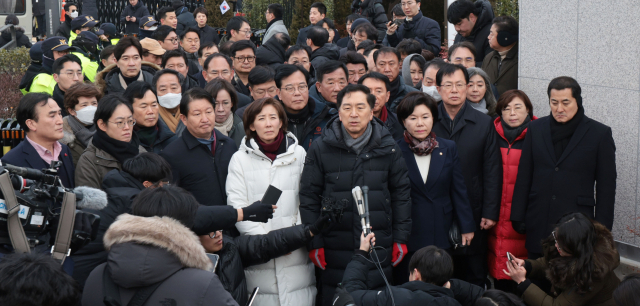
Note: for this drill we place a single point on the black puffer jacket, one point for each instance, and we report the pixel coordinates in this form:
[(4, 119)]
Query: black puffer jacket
[(148, 250), (270, 53), (331, 170), (373, 10), (480, 31), (244, 251), (323, 54), (185, 20), (421, 28), (139, 10), (407, 294), (65, 28), (21, 39)]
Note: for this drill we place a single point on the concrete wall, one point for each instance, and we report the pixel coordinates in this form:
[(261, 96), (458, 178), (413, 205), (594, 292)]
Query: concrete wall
[(595, 42)]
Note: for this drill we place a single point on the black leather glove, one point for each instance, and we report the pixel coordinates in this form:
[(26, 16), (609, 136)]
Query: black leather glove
[(342, 297), (258, 212), (319, 225), (519, 227), (85, 230)]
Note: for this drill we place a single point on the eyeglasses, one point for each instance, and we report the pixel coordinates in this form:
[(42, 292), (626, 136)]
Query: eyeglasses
[(247, 58), (172, 40), (270, 90), (246, 32), (72, 74), (449, 86), (121, 124), (215, 234), (292, 89), (556, 240)]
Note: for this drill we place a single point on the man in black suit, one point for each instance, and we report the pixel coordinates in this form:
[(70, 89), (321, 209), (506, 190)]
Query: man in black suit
[(475, 137), (563, 157), (39, 116)]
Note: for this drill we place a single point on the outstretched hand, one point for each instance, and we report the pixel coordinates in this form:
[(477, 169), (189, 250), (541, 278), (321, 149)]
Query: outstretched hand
[(517, 272)]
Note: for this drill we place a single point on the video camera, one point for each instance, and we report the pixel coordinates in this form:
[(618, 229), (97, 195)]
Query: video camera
[(33, 202)]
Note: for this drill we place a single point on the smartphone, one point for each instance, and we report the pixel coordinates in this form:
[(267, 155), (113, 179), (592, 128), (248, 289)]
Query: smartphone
[(398, 22), (272, 195), (214, 260), (253, 296), (509, 256)]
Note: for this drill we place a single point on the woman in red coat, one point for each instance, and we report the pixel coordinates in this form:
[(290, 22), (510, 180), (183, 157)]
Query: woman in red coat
[(516, 111)]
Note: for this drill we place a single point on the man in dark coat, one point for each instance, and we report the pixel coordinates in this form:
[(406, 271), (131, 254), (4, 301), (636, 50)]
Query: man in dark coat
[(430, 281), (185, 18), (38, 9), (355, 150), (118, 78), (35, 53), (317, 12), (501, 65), (272, 52), (22, 40), (416, 26), (43, 132), (332, 78), (373, 10), (132, 14), (564, 155), (200, 158), (379, 85), (387, 61), (321, 49), (70, 12), (473, 22), (475, 137)]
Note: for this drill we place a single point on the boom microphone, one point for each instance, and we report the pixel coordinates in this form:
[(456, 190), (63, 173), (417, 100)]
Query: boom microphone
[(91, 198)]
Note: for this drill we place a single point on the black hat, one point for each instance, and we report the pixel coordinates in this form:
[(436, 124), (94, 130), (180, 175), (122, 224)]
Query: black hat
[(90, 36), (36, 52), (55, 43), (107, 28), (147, 21), (83, 21)]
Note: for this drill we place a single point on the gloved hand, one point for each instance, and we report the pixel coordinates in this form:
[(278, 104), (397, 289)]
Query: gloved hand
[(319, 225), (85, 229), (258, 212), (317, 257), (342, 297), (519, 227), (399, 252)]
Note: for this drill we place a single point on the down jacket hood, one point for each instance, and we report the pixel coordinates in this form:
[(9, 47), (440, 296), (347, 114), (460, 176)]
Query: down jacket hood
[(147, 250), (6, 34), (485, 17), (562, 270), (108, 71)]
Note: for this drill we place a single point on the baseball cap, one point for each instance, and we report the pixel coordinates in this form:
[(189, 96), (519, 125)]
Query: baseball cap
[(147, 21), (90, 36), (55, 43), (83, 21), (153, 46), (107, 28)]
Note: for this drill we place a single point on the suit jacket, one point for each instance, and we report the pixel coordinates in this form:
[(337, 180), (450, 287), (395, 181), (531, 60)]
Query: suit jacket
[(25, 155), (436, 202), (503, 76), (475, 138), (548, 188)]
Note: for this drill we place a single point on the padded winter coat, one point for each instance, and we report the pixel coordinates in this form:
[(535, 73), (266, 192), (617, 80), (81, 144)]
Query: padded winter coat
[(286, 280), (139, 10), (502, 238), (374, 12)]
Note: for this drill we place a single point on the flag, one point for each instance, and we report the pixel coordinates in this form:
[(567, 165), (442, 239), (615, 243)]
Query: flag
[(224, 7)]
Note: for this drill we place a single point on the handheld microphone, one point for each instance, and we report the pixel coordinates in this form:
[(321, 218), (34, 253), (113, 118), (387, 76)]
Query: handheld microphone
[(365, 192), (357, 197)]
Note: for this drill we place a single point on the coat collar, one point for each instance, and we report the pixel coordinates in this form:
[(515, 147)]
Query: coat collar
[(286, 157), (192, 142), (467, 112), (582, 129), (436, 291), (378, 145)]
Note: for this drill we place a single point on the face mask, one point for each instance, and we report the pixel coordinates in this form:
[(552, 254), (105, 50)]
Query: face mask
[(432, 91), (86, 114), (153, 28), (170, 100), (74, 14)]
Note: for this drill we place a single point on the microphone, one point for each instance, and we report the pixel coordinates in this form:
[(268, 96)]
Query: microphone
[(91, 198), (365, 191), (357, 196)]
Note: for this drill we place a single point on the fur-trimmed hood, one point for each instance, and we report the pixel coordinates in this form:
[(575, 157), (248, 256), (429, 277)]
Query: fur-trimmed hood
[(103, 75), (562, 270), (145, 250), (68, 136)]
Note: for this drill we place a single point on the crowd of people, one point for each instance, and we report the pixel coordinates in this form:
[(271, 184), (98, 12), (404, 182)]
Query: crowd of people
[(471, 199)]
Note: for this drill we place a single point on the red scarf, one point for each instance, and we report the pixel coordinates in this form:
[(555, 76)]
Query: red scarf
[(384, 114), (271, 150), (421, 148)]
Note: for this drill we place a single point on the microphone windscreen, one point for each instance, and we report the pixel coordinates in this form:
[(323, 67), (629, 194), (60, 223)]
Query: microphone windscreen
[(92, 198)]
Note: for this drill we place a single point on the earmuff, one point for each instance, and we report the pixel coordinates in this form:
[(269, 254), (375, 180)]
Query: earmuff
[(507, 39)]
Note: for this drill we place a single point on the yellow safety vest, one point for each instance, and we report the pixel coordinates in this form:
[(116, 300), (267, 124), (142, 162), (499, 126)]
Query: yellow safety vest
[(72, 37), (114, 41), (89, 68), (43, 82)]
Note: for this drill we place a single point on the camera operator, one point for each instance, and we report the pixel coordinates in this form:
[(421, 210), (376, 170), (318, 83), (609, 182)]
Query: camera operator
[(430, 283), (149, 170), (40, 117)]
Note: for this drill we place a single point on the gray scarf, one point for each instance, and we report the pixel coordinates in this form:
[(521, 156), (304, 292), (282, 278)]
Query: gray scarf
[(82, 133), (480, 106), (358, 143)]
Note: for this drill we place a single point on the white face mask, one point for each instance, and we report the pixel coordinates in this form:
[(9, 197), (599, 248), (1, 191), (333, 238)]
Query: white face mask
[(432, 91), (74, 14), (153, 28), (170, 100), (86, 114)]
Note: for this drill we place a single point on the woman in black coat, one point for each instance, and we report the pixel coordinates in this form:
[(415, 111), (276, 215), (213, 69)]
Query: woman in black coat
[(438, 193), (131, 16)]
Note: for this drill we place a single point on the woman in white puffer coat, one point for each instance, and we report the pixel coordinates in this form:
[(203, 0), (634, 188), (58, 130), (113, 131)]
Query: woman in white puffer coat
[(268, 155)]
